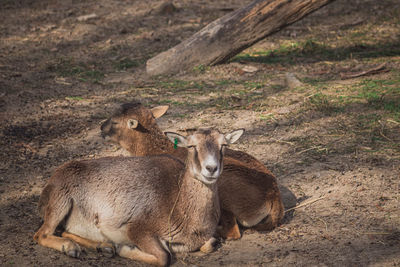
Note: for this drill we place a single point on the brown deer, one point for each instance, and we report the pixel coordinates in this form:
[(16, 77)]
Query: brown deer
[(248, 191), (145, 206)]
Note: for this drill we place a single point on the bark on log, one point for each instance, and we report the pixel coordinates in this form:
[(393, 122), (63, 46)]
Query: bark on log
[(227, 36)]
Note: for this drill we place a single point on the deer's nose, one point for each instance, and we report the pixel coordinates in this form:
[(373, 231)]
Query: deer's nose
[(212, 168)]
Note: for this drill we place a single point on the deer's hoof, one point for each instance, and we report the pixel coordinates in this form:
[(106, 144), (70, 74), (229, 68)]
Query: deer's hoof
[(209, 246), (106, 249), (71, 249)]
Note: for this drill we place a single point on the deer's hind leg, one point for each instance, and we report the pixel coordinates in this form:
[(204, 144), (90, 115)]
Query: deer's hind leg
[(149, 250), (54, 212), (275, 215)]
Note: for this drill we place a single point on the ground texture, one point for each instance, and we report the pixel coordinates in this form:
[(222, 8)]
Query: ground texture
[(67, 65)]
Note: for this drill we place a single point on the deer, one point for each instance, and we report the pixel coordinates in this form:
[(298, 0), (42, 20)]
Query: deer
[(248, 191), (144, 207)]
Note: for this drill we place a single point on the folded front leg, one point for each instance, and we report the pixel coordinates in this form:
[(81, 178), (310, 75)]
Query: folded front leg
[(228, 228), (103, 247)]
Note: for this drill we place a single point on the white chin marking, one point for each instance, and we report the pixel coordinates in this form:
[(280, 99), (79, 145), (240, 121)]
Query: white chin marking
[(207, 180), (207, 175)]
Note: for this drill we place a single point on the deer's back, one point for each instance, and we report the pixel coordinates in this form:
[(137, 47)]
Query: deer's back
[(115, 188)]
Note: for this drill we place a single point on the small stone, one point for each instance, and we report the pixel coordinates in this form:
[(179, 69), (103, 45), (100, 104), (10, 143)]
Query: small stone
[(249, 69), (86, 17), (292, 81)]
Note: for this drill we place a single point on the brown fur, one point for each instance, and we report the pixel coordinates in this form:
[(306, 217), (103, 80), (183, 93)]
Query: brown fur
[(247, 189), (155, 203)]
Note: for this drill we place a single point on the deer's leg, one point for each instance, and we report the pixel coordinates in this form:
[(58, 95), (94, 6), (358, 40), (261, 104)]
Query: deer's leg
[(45, 235), (103, 247), (209, 246), (228, 229), (149, 250), (265, 225), (274, 217), (278, 210)]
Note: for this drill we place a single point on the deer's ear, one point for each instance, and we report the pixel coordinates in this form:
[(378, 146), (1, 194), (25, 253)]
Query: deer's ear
[(177, 139), (132, 123), (159, 111), (106, 128), (232, 137)]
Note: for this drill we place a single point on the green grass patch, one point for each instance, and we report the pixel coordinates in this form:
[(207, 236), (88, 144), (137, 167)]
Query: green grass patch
[(327, 104), (200, 68), (80, 71), (267, 117), (315, 81), (253, 85), (280, 87), (127, 63), (225, 82), (284, 54), (181, 85), (375, 94), (76, 98), (382, 94), (311, 50), (91, 75), (170, 102)]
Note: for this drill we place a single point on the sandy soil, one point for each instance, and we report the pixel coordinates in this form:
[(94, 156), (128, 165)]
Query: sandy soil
[(66, 65)]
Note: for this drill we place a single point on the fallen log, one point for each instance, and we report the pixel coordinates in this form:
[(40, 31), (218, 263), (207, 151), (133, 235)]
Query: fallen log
[(227, 36)]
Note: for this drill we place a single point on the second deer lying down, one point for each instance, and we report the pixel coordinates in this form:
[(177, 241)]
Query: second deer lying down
[(247, 189), (146, 206)]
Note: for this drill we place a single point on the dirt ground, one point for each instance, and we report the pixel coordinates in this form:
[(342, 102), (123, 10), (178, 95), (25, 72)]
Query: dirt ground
[(66, 65)]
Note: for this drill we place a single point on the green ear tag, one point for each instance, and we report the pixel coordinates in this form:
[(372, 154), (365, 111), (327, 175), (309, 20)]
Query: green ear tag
[(175, 143)]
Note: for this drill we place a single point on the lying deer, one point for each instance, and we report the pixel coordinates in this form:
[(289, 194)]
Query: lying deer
[(146, 206), (248, 191)]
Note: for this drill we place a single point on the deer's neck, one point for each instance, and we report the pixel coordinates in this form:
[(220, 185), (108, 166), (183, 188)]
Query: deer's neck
[(154, 142), (198, 205)]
